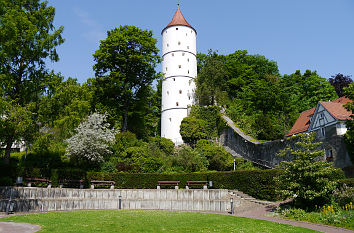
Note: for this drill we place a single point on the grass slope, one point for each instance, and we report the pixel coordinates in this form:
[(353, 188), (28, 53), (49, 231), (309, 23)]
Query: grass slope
[(147, 221)]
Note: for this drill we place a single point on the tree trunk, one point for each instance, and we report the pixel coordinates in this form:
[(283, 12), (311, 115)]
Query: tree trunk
[(8, 150), (125, 117)]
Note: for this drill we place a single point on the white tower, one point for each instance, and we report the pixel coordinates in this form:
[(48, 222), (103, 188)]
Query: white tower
[(179, 66)]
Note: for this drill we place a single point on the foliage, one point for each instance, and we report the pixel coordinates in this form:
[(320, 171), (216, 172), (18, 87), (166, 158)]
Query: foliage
[(193, 129), (307, 178), (185, 159), (92, 140), (148, 221), (349, 136), (219, 159), (257, 183), (339, 82), (27, 40), (124, 68), (327, 215)]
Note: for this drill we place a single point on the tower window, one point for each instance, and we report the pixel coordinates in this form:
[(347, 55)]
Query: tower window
[(187, 47), (180, 66), (166, 68), (188, 71), (176, 29), (174, 79), (186, 34), (168, 92), (182, 54), (177, 104), (189, 97), (173, 54), (170, 119), (179, 42), (188, 59), (168, 45), (180, 91)]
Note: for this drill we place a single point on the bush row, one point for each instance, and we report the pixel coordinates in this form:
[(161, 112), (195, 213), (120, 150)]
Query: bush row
[(348, 182), (257, 183)]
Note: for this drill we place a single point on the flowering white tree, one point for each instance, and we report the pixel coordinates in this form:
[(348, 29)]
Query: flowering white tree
[(92, 140)]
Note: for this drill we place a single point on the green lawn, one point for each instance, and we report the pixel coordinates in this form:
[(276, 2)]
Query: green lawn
[(147, 221)]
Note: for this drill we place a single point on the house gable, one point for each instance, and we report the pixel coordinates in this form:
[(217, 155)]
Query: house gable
[(321, 118)]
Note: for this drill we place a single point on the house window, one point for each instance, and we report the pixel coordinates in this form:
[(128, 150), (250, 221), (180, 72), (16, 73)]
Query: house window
[(321, 119), (323, 132)]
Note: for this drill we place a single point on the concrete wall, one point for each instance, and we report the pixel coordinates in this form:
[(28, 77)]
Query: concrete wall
[(55, 199)]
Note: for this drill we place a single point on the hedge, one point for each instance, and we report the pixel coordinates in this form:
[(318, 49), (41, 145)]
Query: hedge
[(348, 182), (259, 184)]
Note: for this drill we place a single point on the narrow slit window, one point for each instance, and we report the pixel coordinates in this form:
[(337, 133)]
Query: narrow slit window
[(170, 119), (180, 66), (168, 45), (174, 79), (179, 42), (188, 71), (166, 68), (189, 97), (177, 104), (180, 91), (173, 54), (168, 92), (188, 59)]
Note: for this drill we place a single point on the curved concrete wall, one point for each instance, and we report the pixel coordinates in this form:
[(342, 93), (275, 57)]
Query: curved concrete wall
[(55, 199)]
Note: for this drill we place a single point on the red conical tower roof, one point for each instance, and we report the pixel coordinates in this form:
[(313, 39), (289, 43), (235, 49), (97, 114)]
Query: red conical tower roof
[(178, 20)]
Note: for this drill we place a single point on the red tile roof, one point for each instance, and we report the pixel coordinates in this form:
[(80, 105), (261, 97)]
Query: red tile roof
[(335, 107), (302, 123), (178, 20)]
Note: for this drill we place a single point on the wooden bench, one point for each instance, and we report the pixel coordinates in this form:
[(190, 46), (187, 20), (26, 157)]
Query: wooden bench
[(102, 182), (194, 182), (168, 182), (71, 183), (39, 181)]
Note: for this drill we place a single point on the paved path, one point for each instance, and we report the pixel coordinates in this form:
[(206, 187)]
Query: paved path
[(259, 213), (14, 227)]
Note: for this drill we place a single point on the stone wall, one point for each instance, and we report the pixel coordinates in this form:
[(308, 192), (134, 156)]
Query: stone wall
[(57, 199), (265, 154)]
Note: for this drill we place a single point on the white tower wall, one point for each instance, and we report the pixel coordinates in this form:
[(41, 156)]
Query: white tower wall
[(179, 66)]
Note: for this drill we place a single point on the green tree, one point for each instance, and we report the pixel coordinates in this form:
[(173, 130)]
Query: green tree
[(211, 80), (125, 63), (185, 159), (308, 179), (349, 135), (219, 159), (27, 39), (193, 129)]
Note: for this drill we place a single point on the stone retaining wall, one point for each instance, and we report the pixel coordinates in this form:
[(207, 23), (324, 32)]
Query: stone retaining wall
[(55, 199)]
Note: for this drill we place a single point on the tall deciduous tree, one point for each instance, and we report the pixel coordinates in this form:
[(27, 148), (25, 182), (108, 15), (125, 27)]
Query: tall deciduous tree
[(349, 135), (27, 39), (339, 82), (125, 63)]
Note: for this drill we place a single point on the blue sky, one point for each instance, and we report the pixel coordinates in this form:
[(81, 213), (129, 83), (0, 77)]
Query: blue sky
[(297, 34)]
